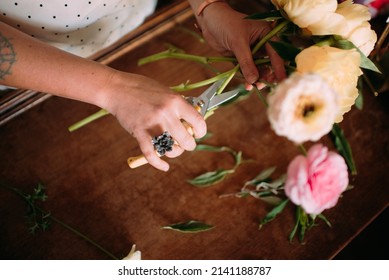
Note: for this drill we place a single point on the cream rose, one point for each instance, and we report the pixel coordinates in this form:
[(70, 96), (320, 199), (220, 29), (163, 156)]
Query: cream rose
[(306, 12), (342, 21), (351, 22), (326, 17), (357, 29), (339, 68), (302, 108), (363, 37), (329, 24)]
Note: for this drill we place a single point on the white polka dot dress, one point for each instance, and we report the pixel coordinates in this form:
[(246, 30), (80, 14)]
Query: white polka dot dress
[(82, 27)]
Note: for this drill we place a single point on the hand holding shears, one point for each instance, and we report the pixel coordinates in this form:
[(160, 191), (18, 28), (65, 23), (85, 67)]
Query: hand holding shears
[(207, 101)]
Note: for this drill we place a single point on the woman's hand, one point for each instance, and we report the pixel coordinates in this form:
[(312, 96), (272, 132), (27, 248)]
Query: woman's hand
[(143, 107), (146, 109), (228, 32)]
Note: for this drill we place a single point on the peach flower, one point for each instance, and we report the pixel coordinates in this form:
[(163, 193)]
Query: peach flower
[(358, 29), (302, 108), (326, 17), (316, 182), (306, 12), (339, 68)]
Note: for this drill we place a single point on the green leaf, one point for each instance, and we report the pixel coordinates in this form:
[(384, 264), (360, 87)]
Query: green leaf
[(204, 147), (322, 217), (273, 213), (272, 200), (237, 155), (366, 63), (238, 158), (294, 230), (274, 185), (359, 100), (343, 147), (210, 178), (261, 177), (301, 222), (285, 51), (191, 227), (267, 16), (206, 136)]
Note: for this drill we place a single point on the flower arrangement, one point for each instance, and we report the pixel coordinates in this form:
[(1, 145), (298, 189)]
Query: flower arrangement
[(325, 46), (321, 87)]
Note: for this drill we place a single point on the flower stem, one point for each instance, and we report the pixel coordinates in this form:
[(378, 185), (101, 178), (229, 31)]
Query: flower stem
[(196, 58), (54, 219), (89, 119), (380, 42), (303, 150), (370, 85), (260, 95), (226, 75), (269, 35), (79, 234)]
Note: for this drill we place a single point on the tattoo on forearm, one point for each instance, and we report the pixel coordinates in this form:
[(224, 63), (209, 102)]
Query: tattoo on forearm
[(7, 56)]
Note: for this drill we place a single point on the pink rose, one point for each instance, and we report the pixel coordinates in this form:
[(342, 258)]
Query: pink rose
[(316, 182)]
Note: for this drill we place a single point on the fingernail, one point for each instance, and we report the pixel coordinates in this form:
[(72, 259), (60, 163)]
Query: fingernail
[(260, 85), (249, 87), (252, 79)]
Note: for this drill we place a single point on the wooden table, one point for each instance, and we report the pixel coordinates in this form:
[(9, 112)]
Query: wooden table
[(91, 188)]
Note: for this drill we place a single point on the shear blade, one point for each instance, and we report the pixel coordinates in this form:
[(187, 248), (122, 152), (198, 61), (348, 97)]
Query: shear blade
[(221, 98)]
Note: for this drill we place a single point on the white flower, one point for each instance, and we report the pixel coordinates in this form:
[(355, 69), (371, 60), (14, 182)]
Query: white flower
[(133, 255), (302, 108)]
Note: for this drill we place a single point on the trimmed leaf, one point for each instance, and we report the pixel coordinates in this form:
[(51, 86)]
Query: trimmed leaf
[(267, 16), (261, 177), (238, 158), (285, 51), (366, 63), (301, 222), (322, 217), (210, 178), (265, 174), (237, 155), (273, 213), (189, 227), (276, 184), (343, 148), (206, 136), (359, 100), (272, 200), (203, 147)]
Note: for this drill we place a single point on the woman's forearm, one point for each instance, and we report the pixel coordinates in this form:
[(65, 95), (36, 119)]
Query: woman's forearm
[(32, 64)]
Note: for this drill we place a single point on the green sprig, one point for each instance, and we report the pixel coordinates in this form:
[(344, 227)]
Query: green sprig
[(38, 218), (189, 227), (173, 54), (214, 177)]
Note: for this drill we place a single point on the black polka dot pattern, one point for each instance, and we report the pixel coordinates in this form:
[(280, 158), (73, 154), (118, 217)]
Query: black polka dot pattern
[(78, 26)]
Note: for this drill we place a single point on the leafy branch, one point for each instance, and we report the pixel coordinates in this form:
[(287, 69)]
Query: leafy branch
[(214, 177), (189, 227), (305, 222), (38, 218)]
